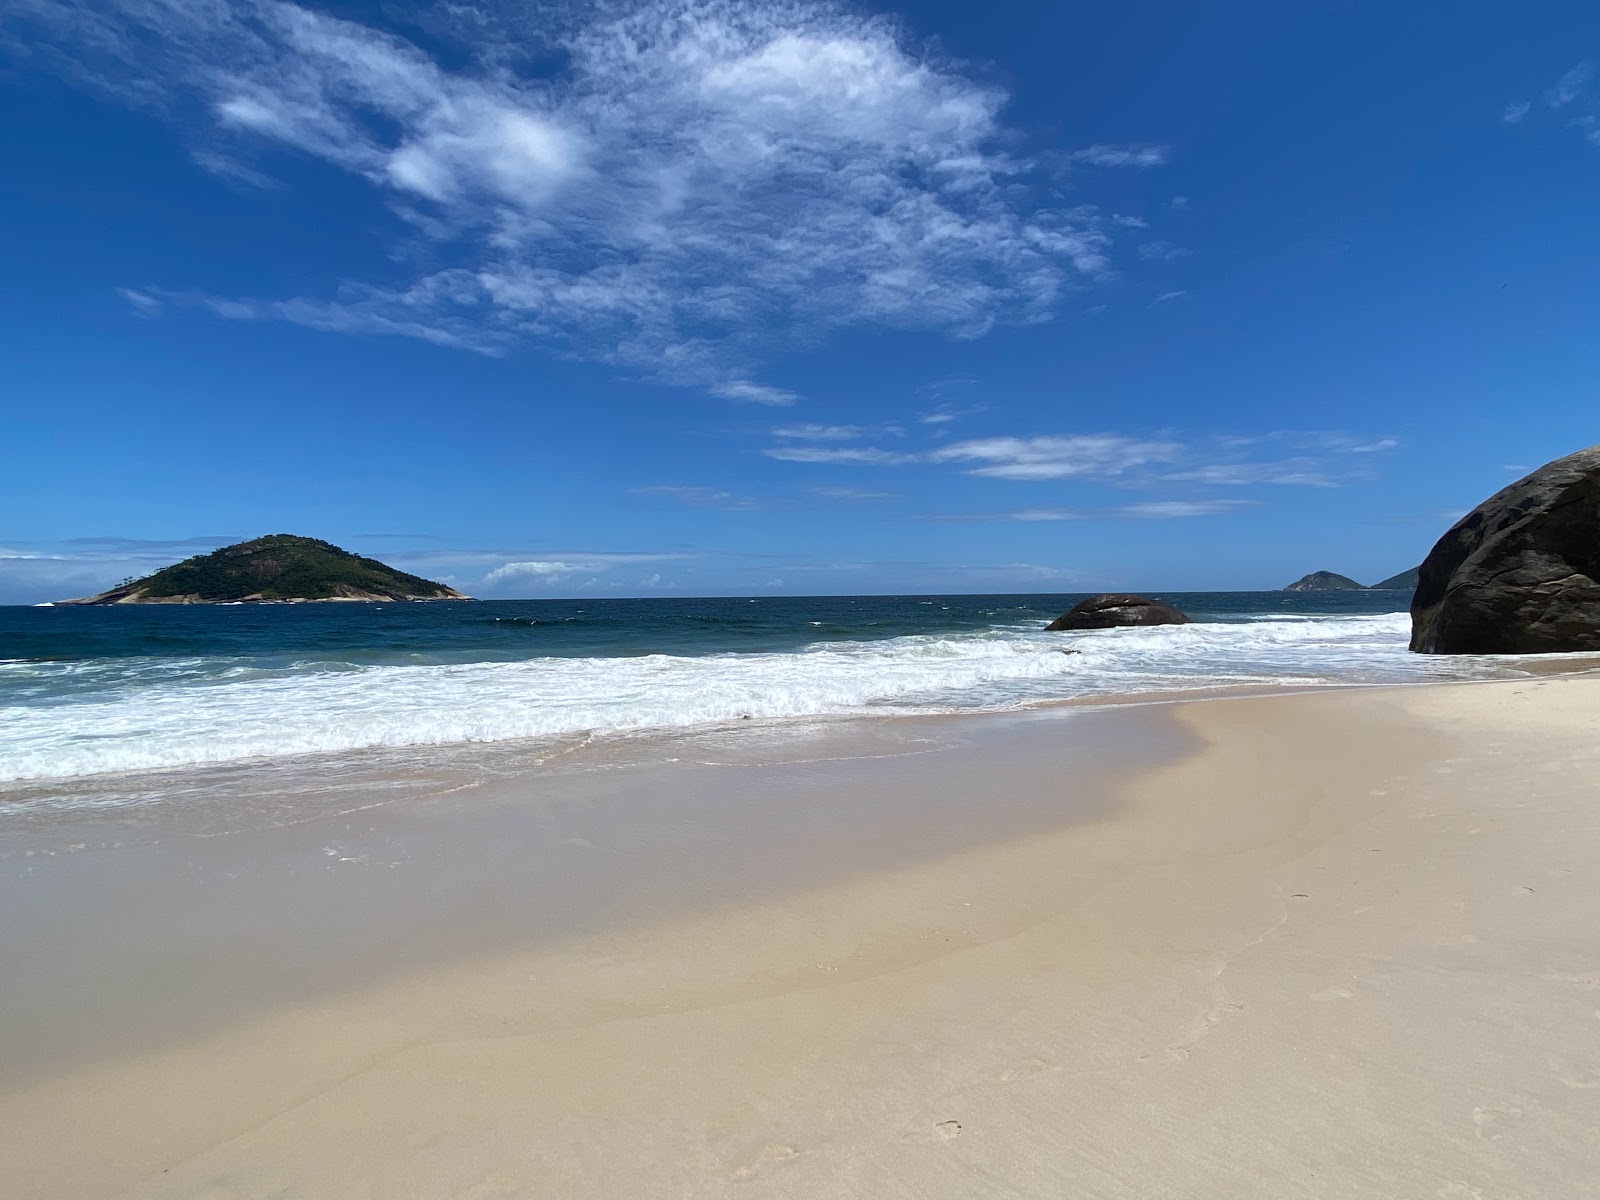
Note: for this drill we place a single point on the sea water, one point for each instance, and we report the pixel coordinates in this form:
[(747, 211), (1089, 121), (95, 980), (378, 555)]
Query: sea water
[(96, 691)]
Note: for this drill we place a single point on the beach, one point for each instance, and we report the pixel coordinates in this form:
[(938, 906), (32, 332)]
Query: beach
[(1329, 944)]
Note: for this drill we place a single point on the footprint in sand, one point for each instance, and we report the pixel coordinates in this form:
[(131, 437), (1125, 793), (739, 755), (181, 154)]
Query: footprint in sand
[(774, 1153), (1495, 1121), (1031, 1067), (943, 1131)]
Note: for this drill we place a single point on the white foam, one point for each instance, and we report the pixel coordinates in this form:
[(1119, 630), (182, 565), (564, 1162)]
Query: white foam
[(112, 717)]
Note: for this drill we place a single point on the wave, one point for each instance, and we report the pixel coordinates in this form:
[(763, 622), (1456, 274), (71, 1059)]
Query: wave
[(117, 717)]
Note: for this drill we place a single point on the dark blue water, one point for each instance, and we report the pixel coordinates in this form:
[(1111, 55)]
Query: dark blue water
[(92, 691), (506, 630)]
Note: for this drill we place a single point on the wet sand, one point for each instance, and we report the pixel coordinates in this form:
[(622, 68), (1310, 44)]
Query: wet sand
[(1324, 945)]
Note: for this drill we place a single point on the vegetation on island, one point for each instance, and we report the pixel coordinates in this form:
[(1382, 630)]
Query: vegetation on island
[(280, 567), (1325, 581), (1331, 581), (1406, 581)]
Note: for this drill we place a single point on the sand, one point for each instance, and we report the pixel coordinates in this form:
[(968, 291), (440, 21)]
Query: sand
[(1341, 944)]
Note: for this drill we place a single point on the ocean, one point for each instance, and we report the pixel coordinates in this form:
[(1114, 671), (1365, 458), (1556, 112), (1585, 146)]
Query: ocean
[(95, 692)]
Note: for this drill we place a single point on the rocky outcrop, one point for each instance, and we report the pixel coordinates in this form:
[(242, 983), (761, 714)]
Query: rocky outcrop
[(1110, 611), (1519, 574), (1324, 581)]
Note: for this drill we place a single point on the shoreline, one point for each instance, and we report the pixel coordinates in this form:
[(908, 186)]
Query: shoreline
[(1280, 967), (20, 797)]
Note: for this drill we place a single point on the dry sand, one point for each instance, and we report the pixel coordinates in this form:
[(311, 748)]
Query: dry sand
[(1348, 947)]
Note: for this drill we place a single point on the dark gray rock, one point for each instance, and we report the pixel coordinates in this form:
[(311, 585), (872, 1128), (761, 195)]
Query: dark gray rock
[(1519, 574), (1109, 611)]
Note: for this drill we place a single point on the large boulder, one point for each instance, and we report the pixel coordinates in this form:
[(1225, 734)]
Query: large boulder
[(1519, 574), (1107, 612)]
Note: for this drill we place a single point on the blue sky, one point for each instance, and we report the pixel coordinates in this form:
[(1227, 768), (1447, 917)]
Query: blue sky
[(723, 297)]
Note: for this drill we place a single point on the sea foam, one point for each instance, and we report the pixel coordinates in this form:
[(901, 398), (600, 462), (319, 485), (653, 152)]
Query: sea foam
[(101, 716)]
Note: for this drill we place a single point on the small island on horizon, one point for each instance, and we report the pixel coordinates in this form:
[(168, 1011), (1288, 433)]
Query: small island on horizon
[(281, 568), (1331, 581)]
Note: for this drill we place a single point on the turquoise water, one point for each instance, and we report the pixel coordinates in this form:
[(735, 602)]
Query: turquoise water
[(89, 691)]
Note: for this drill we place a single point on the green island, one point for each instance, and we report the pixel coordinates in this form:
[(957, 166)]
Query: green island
[(1332, 581), (278, 569)]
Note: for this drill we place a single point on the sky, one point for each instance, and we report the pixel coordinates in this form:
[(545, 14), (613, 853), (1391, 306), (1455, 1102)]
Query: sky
[(710, 297)]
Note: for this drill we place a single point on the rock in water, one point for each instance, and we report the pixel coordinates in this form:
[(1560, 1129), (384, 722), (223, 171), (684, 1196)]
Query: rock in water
[(1519, 574), (1107, 612)]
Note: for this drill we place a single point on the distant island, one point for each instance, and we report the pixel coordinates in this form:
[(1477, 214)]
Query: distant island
[(279, 569), (1406, 581), (1330, 581)]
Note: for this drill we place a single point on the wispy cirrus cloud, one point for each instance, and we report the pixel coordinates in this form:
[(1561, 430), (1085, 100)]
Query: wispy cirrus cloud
[(1570, 86), (1317, 458), (850, 494), (144, 304), (158, 547), (1573, 97), (1301, 472), (815, 432), (742, 391), (1134, 154), (1170, 510), (857, 455), (681, 187), (700, 496), (1080, 456), (1154, 510), (947, 414)]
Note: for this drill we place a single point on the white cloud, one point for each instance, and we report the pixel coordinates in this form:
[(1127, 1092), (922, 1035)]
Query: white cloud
[(945, 414), (1301, 472), (1514, 114), (1128, 222), (1151, 510), (701, 497), (1046, 514), (742, 391), (533, 569), (859, 455), (142, 303), (1570, 86), (1135, 154), (681, 186), (851, 494), (812, 432), (1083, 456), (1169, 297), (1325, 459), (1357, 446), (1167, 510)]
